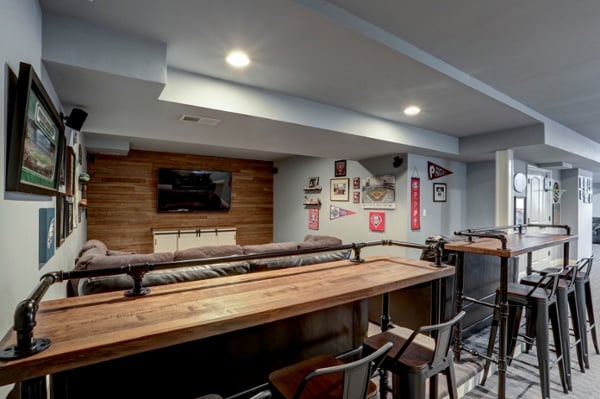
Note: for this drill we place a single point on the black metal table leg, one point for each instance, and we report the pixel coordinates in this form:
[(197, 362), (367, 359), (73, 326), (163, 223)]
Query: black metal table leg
[(458, 303), (503, 328)]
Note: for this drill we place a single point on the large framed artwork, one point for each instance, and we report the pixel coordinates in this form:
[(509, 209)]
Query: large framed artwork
[(339, 190), (34, 138)]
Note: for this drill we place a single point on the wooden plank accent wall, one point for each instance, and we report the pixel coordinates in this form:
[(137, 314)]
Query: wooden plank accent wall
[(122, 199)]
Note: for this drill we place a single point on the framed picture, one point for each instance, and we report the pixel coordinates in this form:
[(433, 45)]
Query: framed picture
[(34, 138), (340, 168), (356, 183), (439, 192), (339, 189), (46, 235), (60, 220), (68, 213), (520, 210), (313, 183), (556, 213), (356, 197), (70, 171)]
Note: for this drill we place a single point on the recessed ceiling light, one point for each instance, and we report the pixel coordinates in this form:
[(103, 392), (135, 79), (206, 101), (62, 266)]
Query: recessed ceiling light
[(238, 59), (412, 110)]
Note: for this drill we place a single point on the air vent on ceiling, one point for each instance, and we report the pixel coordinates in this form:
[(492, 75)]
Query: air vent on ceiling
[(203, 120)]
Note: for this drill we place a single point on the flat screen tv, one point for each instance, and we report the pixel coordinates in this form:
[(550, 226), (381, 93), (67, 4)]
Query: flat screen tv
[(187, 190)]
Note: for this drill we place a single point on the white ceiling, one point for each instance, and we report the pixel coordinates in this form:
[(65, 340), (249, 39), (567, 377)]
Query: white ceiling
[(475, 67)]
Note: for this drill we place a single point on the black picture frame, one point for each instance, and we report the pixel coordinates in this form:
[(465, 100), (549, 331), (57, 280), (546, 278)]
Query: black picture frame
[(34, 138), (60, 222), (439, 192), (340, 168)]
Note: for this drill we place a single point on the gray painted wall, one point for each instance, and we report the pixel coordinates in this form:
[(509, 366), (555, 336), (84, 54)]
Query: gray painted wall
[(437, 218), (19, 212), (481, 194)]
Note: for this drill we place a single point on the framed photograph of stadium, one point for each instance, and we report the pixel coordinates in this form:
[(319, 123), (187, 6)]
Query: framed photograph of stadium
[(34, 138)]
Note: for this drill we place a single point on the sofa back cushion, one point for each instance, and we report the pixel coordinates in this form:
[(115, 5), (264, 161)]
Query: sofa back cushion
[(208, 252), (96, 285), (93, 244), (104, 261), (271, 247)]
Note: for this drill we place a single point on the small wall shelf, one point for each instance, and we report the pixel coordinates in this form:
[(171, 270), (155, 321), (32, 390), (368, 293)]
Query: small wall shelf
[(313, 189), (312, 202)]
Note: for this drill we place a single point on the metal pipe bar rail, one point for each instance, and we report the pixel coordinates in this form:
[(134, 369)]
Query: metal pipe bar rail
[(497, 231), (26, 310)]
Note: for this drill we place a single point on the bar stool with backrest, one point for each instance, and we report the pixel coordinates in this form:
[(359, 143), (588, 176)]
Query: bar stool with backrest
[(583, 295), (328, 377), (568, 309), (583, 290), (417, 357), (264, 394), (540, 302)]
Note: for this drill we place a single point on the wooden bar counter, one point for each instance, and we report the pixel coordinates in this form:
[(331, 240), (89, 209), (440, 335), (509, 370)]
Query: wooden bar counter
[(97, 328)]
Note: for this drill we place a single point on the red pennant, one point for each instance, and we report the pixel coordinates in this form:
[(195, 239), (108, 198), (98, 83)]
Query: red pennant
[(415, 203), (436, 171), (313, 219), (337, 212)]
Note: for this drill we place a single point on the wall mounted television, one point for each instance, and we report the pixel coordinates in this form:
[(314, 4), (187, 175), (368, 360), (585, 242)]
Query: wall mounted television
[(34, 137), (189, 190)]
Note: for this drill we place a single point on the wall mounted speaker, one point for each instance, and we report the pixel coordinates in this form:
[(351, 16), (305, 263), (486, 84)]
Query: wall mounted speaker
[(76, 119), (397, 161)]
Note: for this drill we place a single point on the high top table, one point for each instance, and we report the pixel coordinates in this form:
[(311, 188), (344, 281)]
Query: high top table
[(96, 328), (510, 245)]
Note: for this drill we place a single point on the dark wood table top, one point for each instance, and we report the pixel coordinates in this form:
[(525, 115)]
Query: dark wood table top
[(516, 244), (95, 328)]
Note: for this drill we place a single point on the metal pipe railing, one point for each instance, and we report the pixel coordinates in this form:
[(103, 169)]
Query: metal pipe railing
[(496, 232), (26, 310)]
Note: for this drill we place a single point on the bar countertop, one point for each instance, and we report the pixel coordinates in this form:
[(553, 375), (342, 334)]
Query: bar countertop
[(95, 328), (516, 244)]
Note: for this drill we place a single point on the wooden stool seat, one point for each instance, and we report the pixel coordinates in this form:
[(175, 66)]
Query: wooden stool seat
[(328, 377), (417, 357), (288, 379)]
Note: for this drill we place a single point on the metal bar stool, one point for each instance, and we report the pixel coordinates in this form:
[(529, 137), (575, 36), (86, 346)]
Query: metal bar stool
[(583, 291), (417, 357), (566, 300), (328, 377), (540, 301)]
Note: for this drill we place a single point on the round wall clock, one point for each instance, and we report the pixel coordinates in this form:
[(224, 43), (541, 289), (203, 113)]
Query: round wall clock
[(519, 182)]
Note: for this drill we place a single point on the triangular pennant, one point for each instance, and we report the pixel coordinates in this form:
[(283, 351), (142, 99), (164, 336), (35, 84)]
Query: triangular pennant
[(337, 212), (436, 171)]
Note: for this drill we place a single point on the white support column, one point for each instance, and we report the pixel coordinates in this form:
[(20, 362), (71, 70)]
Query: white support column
[(504, 172)]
